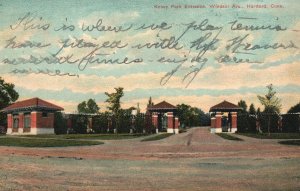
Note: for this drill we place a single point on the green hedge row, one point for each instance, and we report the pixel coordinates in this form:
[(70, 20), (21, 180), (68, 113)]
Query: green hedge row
[(247, 123)]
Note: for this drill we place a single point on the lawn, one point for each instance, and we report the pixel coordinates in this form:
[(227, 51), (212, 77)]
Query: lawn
[(42, 142), (157, 137), (290, 142), (89, 136), (273, 135), (229, 137)]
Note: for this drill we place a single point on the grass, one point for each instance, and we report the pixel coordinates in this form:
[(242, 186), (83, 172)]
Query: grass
[(229, 137), (40, 142), (273, 135), (89, 136), (157, 137), (290, 142)]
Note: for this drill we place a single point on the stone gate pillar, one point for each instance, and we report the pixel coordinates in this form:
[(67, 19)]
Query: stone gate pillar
[(89, 125), (170, 122), (155, 121), (213, 125), (233, 122), (9, 123), (218, 123), (176, 125)]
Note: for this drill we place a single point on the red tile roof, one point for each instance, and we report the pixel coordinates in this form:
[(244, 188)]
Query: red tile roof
[(225, 106), (162, 105), (32, 103)]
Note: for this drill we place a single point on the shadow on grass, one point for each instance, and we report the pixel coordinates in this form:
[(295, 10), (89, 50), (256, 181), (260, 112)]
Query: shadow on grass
[(157, 137), (272, 135), (229, 137), (290, 142), (89, 136)]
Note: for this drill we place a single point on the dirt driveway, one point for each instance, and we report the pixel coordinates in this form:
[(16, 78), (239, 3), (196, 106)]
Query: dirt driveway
[(195, 160)]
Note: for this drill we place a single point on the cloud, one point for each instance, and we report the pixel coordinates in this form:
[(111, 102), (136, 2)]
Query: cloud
[(225, 78), (234, 76), (84, 84), (109, 18), (21, 36)]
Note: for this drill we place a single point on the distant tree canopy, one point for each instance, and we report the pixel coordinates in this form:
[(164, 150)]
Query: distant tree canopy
[(258, 111), (252, 109), (271, 103), (242, 104), (150, 103), (128, 111), (114, 100), (295, 108), (192, 116), (8, 94), (89, 106)]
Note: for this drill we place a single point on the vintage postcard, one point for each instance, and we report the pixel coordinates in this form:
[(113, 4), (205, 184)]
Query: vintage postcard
[(149, 95)]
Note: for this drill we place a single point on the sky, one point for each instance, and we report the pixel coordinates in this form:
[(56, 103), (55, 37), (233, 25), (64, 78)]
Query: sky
[(185, 22)]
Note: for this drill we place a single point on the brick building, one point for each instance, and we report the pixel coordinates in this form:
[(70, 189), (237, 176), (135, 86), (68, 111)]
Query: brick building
[(163, 117), (31, 116), (224, 117)]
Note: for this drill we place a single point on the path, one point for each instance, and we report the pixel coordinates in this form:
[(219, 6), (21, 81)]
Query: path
[(195, 143), (195, 160)]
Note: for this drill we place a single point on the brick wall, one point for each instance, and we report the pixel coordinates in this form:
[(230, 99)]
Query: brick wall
[(33, 119), (170, 120), (21, 120), (38, 121), (155, 120)]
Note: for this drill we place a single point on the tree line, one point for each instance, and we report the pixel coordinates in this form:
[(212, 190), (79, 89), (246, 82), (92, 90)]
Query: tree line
[(188, 116)]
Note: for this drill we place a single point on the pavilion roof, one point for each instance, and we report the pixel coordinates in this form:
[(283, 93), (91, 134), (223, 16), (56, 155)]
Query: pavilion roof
[(32, 104), (162, 106), (225, 106)]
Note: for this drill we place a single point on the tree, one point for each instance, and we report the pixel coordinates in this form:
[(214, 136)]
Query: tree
[(60, 124), (129, 110), (252, 109), (150, 103), (82, 108), (258, 112), (192, 116), (115, 103), (92, 106), (88, 107), (184, 114), (271, 103), (138, 109), (8, 95), (243, 105), (114, 100), (295, 108)]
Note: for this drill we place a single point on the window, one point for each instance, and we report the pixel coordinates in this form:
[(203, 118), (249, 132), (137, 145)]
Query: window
[(27, 120), (15, 121), (44, 114)]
